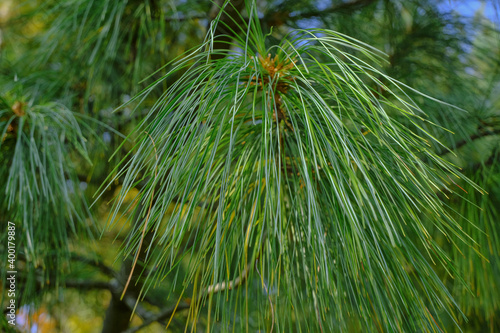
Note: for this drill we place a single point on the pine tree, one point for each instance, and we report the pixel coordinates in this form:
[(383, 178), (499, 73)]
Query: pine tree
[(266, 166)]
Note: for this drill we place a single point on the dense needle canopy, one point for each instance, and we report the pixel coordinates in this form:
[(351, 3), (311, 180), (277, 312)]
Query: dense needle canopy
[(287, 163)]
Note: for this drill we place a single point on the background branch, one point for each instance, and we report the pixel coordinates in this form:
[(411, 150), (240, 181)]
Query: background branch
[(87, 284), (97, 263), (476, 136), (212, 289)]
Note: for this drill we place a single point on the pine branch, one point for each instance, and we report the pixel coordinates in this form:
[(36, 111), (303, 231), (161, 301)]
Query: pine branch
[(87, 285), (341, 7), (279, 18), (164, 314), (186, 18), (130, 301), (100, 265), (482, 134), (114, 287), (212, 289), (488, 163)]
